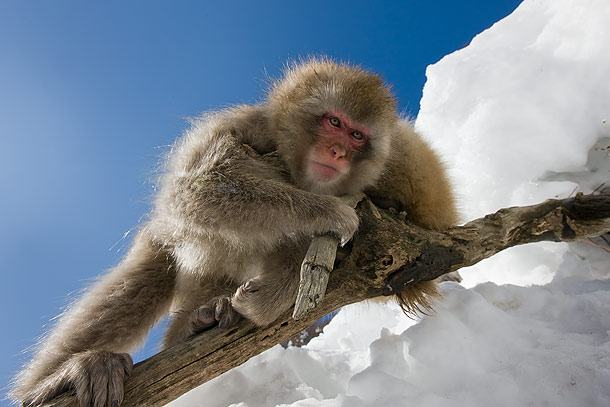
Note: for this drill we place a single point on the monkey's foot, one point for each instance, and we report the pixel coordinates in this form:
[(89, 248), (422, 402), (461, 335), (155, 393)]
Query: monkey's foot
[(261, 303), (218, 310), (96, 377)]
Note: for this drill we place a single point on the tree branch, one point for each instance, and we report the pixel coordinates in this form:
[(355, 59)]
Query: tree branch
[(387, 255), (315, 270)]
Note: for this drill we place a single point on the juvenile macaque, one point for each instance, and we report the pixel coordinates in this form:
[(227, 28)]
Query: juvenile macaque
[(229, 228)]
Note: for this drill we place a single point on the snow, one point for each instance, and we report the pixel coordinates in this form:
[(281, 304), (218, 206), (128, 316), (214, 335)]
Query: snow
[(517, 116)]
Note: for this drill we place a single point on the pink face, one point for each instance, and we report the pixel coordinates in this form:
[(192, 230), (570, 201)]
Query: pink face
[(340, 138)]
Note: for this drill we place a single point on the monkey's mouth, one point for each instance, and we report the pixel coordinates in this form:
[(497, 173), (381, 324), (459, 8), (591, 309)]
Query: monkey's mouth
[(325, 172)]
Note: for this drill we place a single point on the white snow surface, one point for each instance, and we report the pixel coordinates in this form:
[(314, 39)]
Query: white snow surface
[(516, 116)]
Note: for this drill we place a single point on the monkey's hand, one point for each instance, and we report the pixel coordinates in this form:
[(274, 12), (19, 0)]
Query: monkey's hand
[(340, 220), (96, 377)]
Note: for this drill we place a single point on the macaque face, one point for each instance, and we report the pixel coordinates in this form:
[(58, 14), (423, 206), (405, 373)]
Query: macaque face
[(333, 126), (338, 141)]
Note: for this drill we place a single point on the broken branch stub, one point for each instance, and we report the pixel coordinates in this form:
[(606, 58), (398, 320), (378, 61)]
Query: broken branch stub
[(316, 268), (315, 271)]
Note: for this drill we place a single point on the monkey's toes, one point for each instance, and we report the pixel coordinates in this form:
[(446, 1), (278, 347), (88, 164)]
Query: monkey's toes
[(225, 314), (218, 311), (204, 318)]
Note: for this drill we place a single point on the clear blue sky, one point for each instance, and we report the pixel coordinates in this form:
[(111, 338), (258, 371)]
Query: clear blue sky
[(91, 93)]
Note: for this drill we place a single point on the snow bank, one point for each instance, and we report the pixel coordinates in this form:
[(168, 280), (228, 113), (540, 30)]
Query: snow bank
[(525, 99), (517, 115), (498, 346)]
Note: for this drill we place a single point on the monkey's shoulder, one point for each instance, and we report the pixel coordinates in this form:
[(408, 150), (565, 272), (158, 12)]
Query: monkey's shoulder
[(246, 124)]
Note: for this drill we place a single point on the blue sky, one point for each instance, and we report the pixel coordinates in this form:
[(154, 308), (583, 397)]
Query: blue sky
[(92, 93)]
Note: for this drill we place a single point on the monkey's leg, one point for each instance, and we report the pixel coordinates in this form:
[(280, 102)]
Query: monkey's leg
[(200, 308), (86, 351), (264, 298)]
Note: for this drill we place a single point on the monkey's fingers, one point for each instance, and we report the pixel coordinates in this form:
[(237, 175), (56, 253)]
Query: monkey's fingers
[(97, 378), (105, 382)]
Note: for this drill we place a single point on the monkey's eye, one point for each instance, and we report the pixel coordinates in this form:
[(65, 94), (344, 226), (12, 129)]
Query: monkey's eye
[(357, 135), (335, 122)]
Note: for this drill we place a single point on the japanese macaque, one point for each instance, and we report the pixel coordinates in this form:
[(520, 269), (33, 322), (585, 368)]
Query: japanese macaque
[(229, 228)]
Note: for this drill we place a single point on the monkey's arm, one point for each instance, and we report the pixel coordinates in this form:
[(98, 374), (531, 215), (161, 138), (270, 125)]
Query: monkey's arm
[(85, 351), (414, 180), (247, 199)]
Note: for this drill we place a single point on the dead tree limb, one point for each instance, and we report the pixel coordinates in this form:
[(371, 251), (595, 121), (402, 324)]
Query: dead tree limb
[(387, 255), (318, 263)]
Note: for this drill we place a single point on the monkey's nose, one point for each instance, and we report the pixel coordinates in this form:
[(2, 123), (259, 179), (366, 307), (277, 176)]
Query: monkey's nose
[(338, 151)]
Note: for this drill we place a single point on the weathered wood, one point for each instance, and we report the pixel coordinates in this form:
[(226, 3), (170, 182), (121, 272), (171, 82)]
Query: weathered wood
[(388, 254), (578, 218), (316, 268)]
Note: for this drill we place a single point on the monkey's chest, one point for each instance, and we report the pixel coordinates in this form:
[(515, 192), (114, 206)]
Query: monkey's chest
[(217, 261)]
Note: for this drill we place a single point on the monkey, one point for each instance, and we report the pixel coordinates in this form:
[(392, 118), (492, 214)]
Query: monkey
[(229, 228)]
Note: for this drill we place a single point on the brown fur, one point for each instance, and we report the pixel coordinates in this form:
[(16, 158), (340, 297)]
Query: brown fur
[(229, 229), (424, 191), (425, 194)]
